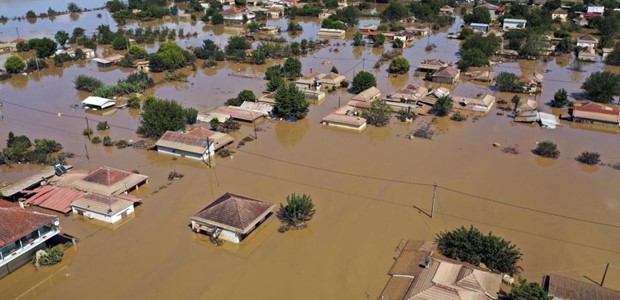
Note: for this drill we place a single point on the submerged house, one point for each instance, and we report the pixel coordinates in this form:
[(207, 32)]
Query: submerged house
[(431, 65), (110, 181), (510, 24), (22, 234), (559, 14), (482, 104), (479, 27), (365, 98), (587, 54), (345, 117), (186, 145), (97, 103), (231, 217), (109, 209), (560, 287), (238, 15), (409, 94), (447, 74), (595, 113)]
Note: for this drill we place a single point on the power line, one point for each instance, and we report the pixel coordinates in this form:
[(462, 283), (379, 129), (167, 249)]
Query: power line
[(439, 186)]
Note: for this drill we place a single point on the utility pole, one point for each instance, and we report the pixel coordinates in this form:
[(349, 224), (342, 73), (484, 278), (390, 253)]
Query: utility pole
[(17, 29), (605, 274), (209, 149), (339, 101), (434, 198), (87, 128), (87, 155), (364, 63), (1, 116)]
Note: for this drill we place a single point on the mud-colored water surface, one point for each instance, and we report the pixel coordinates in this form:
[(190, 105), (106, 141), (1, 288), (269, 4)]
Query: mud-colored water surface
[(371, 190)]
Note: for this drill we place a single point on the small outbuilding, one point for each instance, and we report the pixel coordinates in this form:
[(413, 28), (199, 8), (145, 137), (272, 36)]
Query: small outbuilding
[(231, 217), (510, 24), (109, 209), (97, 103)]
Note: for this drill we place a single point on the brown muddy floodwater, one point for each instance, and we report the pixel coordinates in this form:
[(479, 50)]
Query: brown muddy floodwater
[(371, 190)]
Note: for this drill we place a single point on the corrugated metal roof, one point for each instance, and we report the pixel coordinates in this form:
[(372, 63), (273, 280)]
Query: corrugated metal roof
[(396, 288), (104, 205), (183, 141), (571, 289), (55, 198)]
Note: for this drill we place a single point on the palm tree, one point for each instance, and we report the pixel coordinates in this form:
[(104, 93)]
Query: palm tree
[(298, 210)]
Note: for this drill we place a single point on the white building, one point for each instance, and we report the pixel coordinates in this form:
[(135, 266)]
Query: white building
[(194, 146), (231, 217), (559, 14), (587, 41), (109, 209), (236, 15), (98, 103), (510, 24), (22, 233)]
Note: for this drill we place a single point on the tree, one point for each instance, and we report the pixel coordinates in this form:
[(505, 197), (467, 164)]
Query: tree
[(547, 149), (44, 47), (291, 68), (31, 15), (87, 83), (275, 83), (236, 45), (217, 19), (136, 51), (614, 57), (363, 81), (560, 98), (487, 44), (74, 8), (349, 15), (120, 43), (14, 64), (358, 39), (245, 95), (378, 114), (589, 158), (508, 82), (395, 12), (471, 246), (378, 40), (443, 106), (533, 47), (602, 86), (78, 32), (169, 56), (290, 102), (399, 65), (524, 290), (478, 15), (191, 115), (472, 58), (566, 45), (61, 37), (334, 70), (160, 115), (299, 209)]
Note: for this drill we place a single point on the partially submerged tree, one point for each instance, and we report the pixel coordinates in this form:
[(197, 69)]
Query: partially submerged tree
[(363, 81), (14, 64), (61, 37), (399, 65), (602, 86), (291, 68), (378, 114), (560, 98), (471, 246), (508, 82), (547, 149), (160, 115), (299, 209), (443, 106), (589, 158), (290, 102), (523, 290)]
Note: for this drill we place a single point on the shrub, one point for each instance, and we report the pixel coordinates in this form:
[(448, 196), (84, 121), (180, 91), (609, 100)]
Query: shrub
[(459, 117), (107, 141), (225, 152), (87, 131), (589, 158), (87, 83), (379, 114), (133, 102), (399, 65), (547, 149), (511, 149), (344, 84), (424, 132), (52, 256), (443, 106), (560, 98), (120, 144), (298, 210), (95, 140), (103, 126), (403, 114), (14, 64)]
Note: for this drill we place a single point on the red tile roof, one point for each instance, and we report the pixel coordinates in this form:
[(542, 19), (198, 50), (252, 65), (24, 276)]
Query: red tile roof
[(598, 108), (234, 11), (106, 176), (235, 211), (8, 204), (16, 223), (54, 198), (201, 132)]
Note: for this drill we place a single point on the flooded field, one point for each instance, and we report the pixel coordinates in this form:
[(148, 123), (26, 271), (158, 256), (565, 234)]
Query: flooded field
[(371, 189)]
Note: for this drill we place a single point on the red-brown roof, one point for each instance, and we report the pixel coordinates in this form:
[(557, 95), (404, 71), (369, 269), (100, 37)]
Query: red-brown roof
[(8, 204), (16, 223), (567, 288), (54, 198), (201, 132), (234, 11), (596, 107), (234, 211), (106, 176), (447, 72)]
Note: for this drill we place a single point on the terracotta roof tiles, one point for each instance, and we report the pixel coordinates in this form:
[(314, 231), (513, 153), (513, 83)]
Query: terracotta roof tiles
[(16, 223)]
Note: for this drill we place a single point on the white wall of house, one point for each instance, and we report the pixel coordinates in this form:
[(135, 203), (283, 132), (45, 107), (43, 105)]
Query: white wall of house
[(511, 25), (14, 250), (104, 218), (230, 236), (585, 44), (191, 155)]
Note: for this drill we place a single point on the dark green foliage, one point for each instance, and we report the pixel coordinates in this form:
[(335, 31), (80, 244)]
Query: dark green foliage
[(398, 43), (103, 125), (309, 10), (558, 33), (379, 114), (20, 142), (22, 46), (602, 86), (589, 158), (31, 15), (471, 246), (170, 56), (14, 64), (120, 43), (363, 81), (134, 83), (217, 19), (107, 141), (547, 149), (120, 144), (395, 12), (472, 58), (478, 15), (136, 51), (459, 117), (44, 47), (358, 39), (133, 102), (523, 290), (566, 45), (443, 106), (191, 114), (87, 83), (399, 65), (487, 44), (614, 57), (298, 210), (96, 140), (273, 71), (54, 256), (560, 98), (290, 102), (74, 8), (253, 27), (349, 15), (334, 70), (291, 68), (236, 46), (159, 115), (333, 24), (227, 126), (245, 95), (20, 149), (378, 40), (403, 115), (508, 82), (61, 37), (87, 131), (293, 27), (275, 83)]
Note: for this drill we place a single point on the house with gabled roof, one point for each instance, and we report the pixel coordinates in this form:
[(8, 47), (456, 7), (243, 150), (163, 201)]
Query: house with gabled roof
[(560, 287), (22, 234), (231, 217), (194, 146), (587, 41), (332, 79), (559, 14), (236, 14), (431, 65), (366, 97), (110, 181), (409, 94)]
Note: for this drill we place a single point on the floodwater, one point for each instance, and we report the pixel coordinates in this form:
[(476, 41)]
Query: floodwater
[(371, 189)]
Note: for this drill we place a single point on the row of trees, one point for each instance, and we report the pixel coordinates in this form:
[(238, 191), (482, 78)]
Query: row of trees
[(19, 149), (159, 115)]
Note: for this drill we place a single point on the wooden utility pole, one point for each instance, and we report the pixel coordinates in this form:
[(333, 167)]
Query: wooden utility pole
[(87, 128), (604, 274), (87, 155), (434, 198)]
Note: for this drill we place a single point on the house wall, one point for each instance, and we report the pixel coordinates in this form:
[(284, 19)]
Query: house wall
[(104, 218), (176, 152), (508, 26), (24, 252), (346, 126), (229, 236), (585, 44)]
